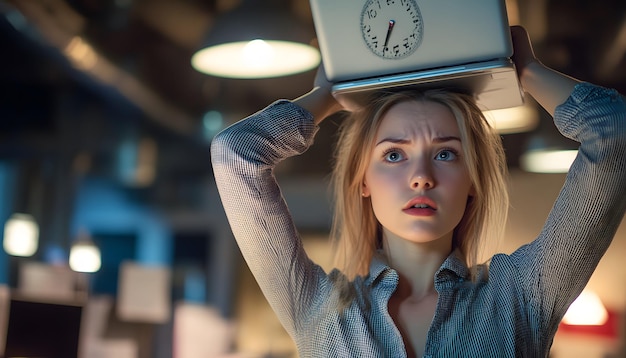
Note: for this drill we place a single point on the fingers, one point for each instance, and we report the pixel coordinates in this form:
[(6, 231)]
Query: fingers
[(523, 53)]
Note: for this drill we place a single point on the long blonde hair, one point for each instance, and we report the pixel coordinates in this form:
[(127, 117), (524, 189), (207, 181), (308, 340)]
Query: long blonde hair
[(356, 233)]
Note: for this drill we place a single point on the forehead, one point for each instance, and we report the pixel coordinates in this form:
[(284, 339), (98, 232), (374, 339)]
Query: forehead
[(418, 117)]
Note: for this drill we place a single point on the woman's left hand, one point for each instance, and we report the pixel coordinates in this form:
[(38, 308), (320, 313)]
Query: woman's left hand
[(523, 53)]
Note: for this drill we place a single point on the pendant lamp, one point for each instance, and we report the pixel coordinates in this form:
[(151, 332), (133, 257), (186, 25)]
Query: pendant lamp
[(587, 309), (513, 120), (21, 235), (257, 39), (85, 254), (547, 150)]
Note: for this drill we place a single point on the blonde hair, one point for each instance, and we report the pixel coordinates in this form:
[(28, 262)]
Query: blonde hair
[(356, 232)]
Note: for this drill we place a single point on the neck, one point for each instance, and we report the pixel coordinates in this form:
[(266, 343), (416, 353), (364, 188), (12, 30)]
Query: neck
[(416, 264)]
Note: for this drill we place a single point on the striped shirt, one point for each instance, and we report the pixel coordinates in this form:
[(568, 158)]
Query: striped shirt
[(514, 307)]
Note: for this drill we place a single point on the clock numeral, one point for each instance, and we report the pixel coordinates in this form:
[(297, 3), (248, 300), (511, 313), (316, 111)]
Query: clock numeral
[(372, 13), (406, 43)]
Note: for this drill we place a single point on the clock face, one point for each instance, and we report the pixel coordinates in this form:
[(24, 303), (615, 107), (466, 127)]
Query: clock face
[(392, 28)]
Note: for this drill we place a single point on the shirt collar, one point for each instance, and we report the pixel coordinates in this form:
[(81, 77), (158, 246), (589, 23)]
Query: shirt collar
[(453, 268), (378, 266)]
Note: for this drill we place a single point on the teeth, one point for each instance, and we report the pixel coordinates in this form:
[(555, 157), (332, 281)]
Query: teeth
[(421, 206)]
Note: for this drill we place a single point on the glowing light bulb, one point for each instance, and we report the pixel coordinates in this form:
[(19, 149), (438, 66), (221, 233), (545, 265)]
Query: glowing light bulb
[(21, 235), (85, 256), (540, 161), (257, 53), (586, 310)]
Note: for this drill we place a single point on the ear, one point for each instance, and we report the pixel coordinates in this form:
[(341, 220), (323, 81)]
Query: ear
[(472, 191), (365, 191)]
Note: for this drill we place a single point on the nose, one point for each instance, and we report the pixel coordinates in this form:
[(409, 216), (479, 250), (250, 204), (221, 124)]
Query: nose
[(422, 177)]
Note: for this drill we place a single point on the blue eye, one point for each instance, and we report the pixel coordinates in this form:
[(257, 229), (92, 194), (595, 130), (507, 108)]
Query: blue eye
[(393, 156), (447, 155)]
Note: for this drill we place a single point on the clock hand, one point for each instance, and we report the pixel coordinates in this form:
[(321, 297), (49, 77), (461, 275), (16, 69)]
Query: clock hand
[(391, 23)]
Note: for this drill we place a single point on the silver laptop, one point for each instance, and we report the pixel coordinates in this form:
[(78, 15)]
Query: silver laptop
[(373, 45)]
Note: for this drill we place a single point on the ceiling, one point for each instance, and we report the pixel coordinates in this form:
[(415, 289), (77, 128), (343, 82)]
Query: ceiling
[(79, 76)]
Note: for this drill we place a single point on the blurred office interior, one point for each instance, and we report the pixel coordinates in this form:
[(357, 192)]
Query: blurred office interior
[(105, 129)]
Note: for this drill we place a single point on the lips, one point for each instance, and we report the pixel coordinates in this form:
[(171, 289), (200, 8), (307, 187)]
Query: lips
[(420, 206), (421, 202)]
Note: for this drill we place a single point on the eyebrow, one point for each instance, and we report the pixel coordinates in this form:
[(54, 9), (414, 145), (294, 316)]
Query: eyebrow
[(405, 141)]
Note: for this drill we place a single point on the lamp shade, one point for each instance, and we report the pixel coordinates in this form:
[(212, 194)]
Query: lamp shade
[(547, 150), (587, 309), (257, 39), (21, 235), (85, 255), (514, 119)]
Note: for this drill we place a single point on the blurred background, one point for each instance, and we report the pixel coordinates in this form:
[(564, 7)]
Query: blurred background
[(115, 243)]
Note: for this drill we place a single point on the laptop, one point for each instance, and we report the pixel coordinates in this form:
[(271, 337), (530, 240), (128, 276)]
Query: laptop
[(373, 45)]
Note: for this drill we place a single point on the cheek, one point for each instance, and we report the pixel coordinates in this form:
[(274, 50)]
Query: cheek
[(461, 191), (379, 178)]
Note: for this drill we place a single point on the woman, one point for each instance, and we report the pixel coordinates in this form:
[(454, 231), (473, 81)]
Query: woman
[(419, 185)]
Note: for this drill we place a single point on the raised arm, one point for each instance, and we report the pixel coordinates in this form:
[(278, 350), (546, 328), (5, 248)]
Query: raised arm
[(555, 267), (548, 87), (319, 101), (244, 156)]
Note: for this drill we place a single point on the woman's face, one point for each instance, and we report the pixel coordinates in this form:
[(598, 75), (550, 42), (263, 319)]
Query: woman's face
[(416, 177)]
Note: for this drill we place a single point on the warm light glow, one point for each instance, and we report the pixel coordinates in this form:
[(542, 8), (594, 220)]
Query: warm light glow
[(548, 161), (85, 257), (587, 310), (81, 53), (256, 59), (21, 235), (258, 54), (513, 120)]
